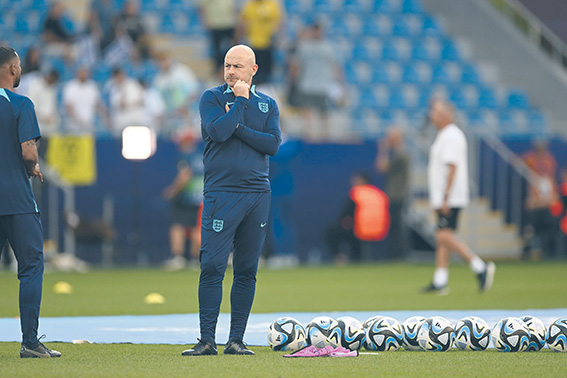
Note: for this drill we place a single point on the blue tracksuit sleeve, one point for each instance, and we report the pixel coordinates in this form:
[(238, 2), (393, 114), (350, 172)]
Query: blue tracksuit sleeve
[(217, 122), (267, 142)]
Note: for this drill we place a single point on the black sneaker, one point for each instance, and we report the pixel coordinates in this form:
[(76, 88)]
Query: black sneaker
[(432, 289), (203, 348), (237, 347), (40, 351), (486, 278)]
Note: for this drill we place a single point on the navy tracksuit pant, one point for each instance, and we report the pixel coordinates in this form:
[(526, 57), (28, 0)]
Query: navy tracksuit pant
[(231, 222), (25, 235)]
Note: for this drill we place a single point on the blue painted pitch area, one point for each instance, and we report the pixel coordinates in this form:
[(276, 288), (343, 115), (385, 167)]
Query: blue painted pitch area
[(184, 328)]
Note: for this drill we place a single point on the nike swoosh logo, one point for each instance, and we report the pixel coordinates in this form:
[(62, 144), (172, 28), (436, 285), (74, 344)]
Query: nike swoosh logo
[(230, 103), (262, 224)]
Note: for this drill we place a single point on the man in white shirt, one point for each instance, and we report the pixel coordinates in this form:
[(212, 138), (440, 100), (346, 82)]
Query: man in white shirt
[(126, 97), (43, 92), (449, 193), (81, 98)]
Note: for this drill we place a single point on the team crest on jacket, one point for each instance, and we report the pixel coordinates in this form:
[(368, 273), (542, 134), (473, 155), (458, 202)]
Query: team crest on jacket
[(218, 225), (263, 107)]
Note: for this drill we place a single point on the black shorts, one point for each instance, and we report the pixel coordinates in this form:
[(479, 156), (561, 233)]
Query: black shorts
[(448, 221)]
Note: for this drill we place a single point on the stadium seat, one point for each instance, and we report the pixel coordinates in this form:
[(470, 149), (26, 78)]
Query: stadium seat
[(450, 51), (40, 5), (322, 7), (178, 5), (400, 28), (518, 99), (21, 24), (390, 51), (536, 122), (370, 28), (440, 75), (458, 98), (410, 75), (367, 99), (412, 6), (397, 100), (360, 53), (382, 6), (338, 27), (487, 99), (430, 27), (420, 52), (354, 6), (469, 75), (150, 5), (380, 74), (167, 24)]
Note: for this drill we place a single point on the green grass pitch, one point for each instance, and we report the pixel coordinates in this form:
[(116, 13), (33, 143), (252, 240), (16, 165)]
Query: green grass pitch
[(368, 287)]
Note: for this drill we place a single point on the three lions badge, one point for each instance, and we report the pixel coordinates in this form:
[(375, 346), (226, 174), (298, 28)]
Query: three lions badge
[(263, 106), (218, 225)]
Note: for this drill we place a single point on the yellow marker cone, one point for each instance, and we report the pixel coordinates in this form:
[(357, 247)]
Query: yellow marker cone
[(154, 298), (62, 287)]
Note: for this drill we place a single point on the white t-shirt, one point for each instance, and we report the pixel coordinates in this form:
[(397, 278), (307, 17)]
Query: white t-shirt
[(449, 147), (83, 99)]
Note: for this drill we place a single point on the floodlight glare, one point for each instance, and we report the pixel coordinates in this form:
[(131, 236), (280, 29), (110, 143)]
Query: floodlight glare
[(138, 142)]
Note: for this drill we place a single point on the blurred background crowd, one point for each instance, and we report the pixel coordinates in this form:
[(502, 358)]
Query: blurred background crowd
[(345, 73)]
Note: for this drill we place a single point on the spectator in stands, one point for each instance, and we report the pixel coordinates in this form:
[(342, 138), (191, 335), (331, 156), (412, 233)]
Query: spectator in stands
[(102, 22), (542, 194), (82, 101), (365, 217), (31, 69), (126, 98), (393, 161), (130, 22), (220, 18), (154, 107), (317, 70), (55, 30), (43, 91), (260, 20), (179, 88)]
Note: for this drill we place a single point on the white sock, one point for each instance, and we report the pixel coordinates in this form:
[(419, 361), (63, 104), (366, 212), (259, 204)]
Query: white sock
[(441, 277), (477, 265)]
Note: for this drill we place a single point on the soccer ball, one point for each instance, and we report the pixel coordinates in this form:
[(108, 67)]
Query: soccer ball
[(368, 321), (436, 334), (319, 332), (510, 335), (410, 328), (384, 334), (286, 334), (538, 333), (348, 333), (557, 335), (472, 333)]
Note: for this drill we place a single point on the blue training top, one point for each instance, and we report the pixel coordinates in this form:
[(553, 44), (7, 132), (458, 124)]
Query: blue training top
[(18, 123), (236, 158)]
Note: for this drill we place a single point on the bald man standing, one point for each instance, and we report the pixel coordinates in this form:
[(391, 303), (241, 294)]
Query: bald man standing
[(20, 223), (449, 193), (240, 128)]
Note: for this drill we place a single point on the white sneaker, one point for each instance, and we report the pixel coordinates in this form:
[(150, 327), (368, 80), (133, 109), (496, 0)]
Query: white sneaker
[(175, 263)]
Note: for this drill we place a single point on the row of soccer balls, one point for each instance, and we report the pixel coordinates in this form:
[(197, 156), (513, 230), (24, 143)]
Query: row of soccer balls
[(383, 333)]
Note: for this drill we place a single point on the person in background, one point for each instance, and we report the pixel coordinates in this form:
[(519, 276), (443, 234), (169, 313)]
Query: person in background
[(20, 223), (220, 19), (56, 33), (43, 91), (132, 24), (126, 97), (185, 194), (542, 195), (317, 70), (393, 161), (448, 181), (365, 217), (82, 101), (178, 86), (260, 21)]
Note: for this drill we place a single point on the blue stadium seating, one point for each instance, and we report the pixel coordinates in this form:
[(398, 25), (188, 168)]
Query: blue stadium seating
[(390, 51), (450, 51), (487, 99), (469, 75), (412, 6), (517, 99), (382, 6), (410, 75), (430, 27)]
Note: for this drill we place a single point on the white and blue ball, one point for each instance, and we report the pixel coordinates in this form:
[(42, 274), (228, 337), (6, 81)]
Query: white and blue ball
[(286, 334), (436, 334), (510, 335), (319, 332), (472, 333), (538, 333), (348, 333), (557, 335), (410, 327), (384, 334)]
